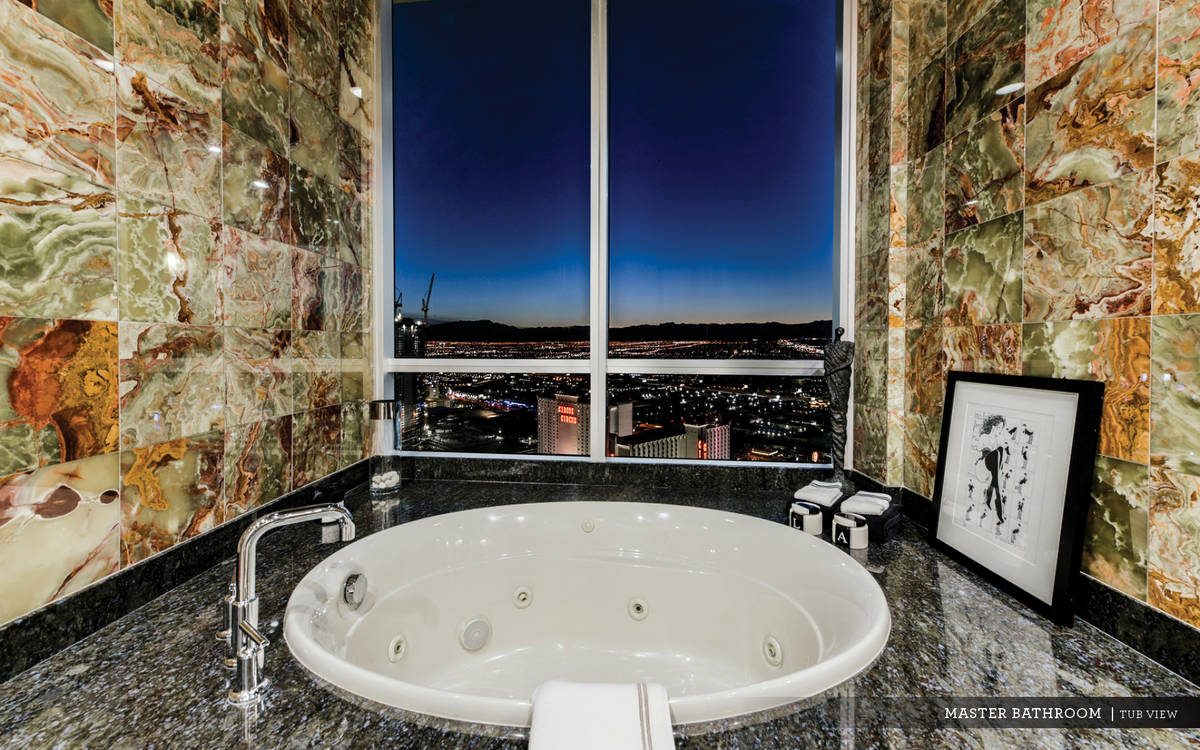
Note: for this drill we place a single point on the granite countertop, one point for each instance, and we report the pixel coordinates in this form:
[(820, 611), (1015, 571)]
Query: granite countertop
[(154, 679)]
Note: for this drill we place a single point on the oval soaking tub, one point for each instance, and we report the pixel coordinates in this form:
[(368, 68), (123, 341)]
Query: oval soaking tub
[(466, 613)]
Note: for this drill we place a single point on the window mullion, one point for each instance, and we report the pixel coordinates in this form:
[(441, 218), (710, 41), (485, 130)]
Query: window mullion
[(599, 233)]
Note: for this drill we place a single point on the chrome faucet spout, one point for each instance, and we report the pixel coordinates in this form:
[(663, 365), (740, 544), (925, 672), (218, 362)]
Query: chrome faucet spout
[(246, 643)]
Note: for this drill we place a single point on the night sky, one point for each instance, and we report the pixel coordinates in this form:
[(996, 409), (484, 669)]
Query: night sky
[(722, 147)]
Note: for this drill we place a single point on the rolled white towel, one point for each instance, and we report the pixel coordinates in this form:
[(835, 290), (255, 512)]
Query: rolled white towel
[(866, 503), (600, 716), (821, 495)]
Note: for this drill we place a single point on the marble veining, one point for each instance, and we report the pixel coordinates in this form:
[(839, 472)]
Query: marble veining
[(988, 56), (927, 108), (1175, 378), (985, 168), (1088, 253), (258, 465), (254, 90), (925, 371), (90, 19), (982, 273), (1177, 237), (256, 279), (1115, 538), (1175, 544), (993, 349), (1178, 122), (175, 43), (316, 444), (258, 374), (255, 188), (1063, 32), (952, 635)]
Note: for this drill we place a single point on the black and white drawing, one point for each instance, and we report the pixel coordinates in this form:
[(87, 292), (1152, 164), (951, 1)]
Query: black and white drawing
[(998, 481)]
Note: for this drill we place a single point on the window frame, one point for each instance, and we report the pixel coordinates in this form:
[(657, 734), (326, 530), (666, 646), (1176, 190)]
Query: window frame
[(599, 365)]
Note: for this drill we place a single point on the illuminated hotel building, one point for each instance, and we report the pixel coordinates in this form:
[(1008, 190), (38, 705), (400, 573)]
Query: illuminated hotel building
[(699, 441), (563, 426)]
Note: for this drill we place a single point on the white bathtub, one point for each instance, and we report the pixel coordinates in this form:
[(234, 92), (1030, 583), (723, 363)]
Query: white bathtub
[(732, 614)]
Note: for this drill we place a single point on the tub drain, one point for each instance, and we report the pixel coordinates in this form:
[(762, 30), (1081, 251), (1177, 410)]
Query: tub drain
[(522, 598), (638, 609), (475, 633), (772, 651), (397, 649)]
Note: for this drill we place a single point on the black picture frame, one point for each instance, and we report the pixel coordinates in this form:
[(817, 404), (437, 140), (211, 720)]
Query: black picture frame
[(1084, 438)]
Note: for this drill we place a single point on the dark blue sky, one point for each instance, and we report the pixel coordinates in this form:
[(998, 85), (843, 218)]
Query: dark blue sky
[(722, 153)]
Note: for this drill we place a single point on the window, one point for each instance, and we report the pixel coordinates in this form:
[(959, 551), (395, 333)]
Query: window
[(675, 311)]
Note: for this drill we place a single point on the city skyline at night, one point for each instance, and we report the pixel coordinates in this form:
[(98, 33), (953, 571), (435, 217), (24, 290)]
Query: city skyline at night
[(728, 222)]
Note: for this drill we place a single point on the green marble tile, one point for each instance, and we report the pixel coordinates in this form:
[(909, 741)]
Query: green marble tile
[(1094, 121), (926, 32), (314, 211), (69, 508), (355, 367), (925, 371), (354, 162), (871, 292), (923, 284), (1178, 121), (982, 282), (255, 187), (1175, 393), (1114, 540), (263, 22), (170, 265), (1176, 241), (316, 444), (1088, 253), (987, 57), (176, 44), (312, 51), (926, 197), (927, 108), (985, 164), (1063, 32), (1114, 351), (257, 281), (258, 375), (258, 465), (315, 144), (962, 14), (350, 228), (354, 433), (59, 402), (993, 349), (172, 382), (56, 97), (167, 147), (354, 28), (870, 441), (870, 367), (356, 95), (1174, 542), (921, 440), (58, 245), (351, 314), (316, 369), (90, 19), (316, 285), (170, 492), (254, 91)]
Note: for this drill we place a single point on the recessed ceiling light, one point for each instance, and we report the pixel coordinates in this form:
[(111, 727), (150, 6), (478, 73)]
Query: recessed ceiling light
[(1010, 88), (260, 184), (106, 65), (356, 91)]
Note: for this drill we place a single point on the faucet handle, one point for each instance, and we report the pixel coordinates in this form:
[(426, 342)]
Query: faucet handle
[(226, 608)]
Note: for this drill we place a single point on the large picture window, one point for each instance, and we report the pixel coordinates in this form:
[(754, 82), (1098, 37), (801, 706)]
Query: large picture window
[(627, 211)]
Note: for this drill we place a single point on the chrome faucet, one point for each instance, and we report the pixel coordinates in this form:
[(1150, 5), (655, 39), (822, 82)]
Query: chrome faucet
[(240, 606)]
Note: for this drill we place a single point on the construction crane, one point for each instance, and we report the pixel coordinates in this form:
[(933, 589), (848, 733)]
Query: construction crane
[(425, 301), (399, 306)]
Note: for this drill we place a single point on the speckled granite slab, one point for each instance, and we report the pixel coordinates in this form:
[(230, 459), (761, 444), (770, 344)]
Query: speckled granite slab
[(152, 679)]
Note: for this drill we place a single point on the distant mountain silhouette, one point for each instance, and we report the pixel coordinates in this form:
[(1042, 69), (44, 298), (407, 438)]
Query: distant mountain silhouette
[(490, 331)]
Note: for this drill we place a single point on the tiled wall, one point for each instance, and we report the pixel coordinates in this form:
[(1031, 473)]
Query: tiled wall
[(184, 271), (1053, 230)]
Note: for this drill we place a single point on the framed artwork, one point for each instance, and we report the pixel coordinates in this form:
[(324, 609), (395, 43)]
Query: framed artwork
[(1013, 479)]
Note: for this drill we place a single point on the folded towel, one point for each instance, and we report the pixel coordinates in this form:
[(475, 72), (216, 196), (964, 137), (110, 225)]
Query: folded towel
[(819, 483), (821, 495), (600, 716), (866, 503), (881, 495)]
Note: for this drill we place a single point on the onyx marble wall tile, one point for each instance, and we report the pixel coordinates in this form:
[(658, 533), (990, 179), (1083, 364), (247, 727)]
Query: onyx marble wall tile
[(314, 134), (1115, 352), (258, 374), (353, 25), (1088, 253), (355, 94), (927, 108), (921, 437), (312, 52), (314, 281), (870, 367), (56, 97), (59, 531), (314, 211), (316, 370), (255, 187), (90, 19), (257, 280), (258, 465), (58, 244), (354, 433), (1178, 121), (1115, 542), (1175, 398), (871, 295), (926, 196), (989, 56), (166, 147), (254, 90), (923, 284), (350, 299), (1094, 121), (985, 164), (1177, 236), (1063, 32), (170, 265), (995, 348), (175, 44), (925, 371), (926, 31), (349, 228), (870, 444), (963, 14), (170, 492), (59, 402), (1174, 580), (354, 161), (316, 444), (172, 382), (263, 22), (355, 366), (982, 267)]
